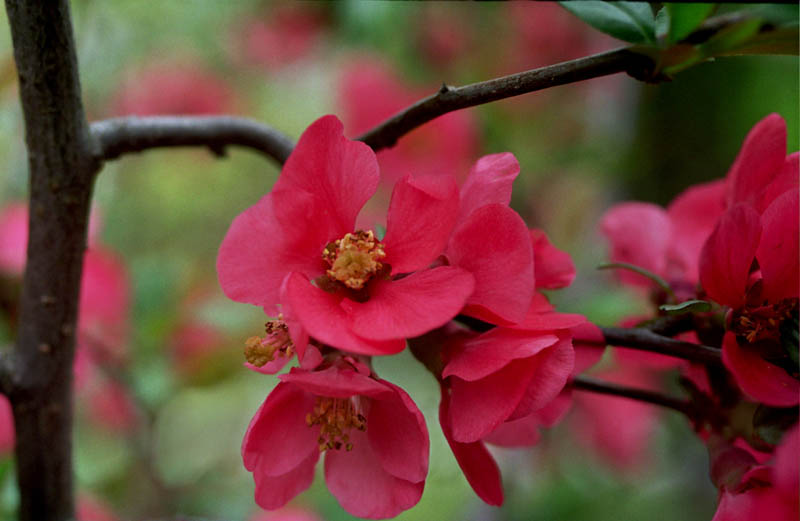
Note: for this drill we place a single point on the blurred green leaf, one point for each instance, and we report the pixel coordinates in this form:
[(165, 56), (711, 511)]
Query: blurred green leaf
[(684, 18), (783, 40), (629, 21), (770, 423), (689, 306)]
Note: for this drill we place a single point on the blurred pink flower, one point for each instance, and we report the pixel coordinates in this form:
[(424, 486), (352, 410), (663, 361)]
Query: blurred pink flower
[(375, 440), (283, 35), (90, 508), (110, 406), (181, 86), (293, 513), (369, 92), (358, 301), (616, 428)]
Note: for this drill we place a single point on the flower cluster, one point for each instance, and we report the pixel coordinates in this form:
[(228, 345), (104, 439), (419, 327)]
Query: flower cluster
[(450, 257), (731, 246)]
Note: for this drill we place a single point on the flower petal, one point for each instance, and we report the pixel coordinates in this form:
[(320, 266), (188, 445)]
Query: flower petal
[(778, 254), (480, 356), (396, 429), (477, 408), (639, 234), (548, 377), (278, 439), (410, 306), (758, 378), (13, 238), (554, 268), (786, 474), (523, 432), (258, 252), (728, 253), (323, 316), (421, 216), (362, 486), (493, 244), (336, 383), (275, 491), (787, 179), (478, 465), (342, 174), (761, 157), (489, 182), (693, 214)]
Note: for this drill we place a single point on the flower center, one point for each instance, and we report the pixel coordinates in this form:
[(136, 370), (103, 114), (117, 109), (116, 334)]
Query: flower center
[(354, 258), (336, 418), (764, 322), (277, 342)]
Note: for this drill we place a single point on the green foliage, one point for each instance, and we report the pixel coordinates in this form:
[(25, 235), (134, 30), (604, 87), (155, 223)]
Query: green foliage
[(629, 21), (688, 306), (683, 19)]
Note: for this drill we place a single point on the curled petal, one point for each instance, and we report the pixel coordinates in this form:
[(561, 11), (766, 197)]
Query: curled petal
[(478, 465), (361, 484), (396, 429), (758, 378), (272, 492), (778, 254), (759, 161), (278, 439), (639, 234), (554, 268), (342, 174), (480, 356), (421, 216), (553, 367), (493, 244), (412, 305), (728, 253), (489, 182)]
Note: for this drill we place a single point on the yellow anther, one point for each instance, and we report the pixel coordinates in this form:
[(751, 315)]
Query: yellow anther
[(277, 342), (354, 258), (336, 418)]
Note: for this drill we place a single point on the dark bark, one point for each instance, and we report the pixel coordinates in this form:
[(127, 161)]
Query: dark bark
[(448, 99), (62, 172), (118, 136), (646, 340), (585, 383)]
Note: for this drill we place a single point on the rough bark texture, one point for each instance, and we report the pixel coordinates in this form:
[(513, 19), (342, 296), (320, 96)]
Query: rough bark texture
[(61, 176)]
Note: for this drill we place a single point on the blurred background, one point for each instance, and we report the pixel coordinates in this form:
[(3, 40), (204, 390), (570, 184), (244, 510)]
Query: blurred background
[(163, 399)]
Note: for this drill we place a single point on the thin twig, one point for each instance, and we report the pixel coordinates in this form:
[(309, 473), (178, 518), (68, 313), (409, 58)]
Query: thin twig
[(118, 136), (448, 99), (586, 383), (6, 373), (646, 340)]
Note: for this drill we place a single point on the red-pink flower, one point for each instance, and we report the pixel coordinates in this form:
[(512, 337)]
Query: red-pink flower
[(177, 86), (298, 247), (374, 437), (90, 508), (764, 492)]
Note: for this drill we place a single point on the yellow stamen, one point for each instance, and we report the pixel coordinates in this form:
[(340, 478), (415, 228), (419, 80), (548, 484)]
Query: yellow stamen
[(336, 418), (277, 342), (354, 258)]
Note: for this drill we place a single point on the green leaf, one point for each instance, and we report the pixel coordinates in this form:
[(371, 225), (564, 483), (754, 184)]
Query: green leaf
[(685, 18), (689, 306), (771, 423), (662, 23), (629, 21), (731, 38), (783, 40)]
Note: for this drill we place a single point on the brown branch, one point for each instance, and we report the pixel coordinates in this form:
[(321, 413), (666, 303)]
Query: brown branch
[(585, 383), (118, 136), (448, 99), (646, 340), (62, 172), (6, 372)]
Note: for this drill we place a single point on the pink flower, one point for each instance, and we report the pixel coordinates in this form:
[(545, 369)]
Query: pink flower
[(298, 247), (283, 36), (90, 508), (287, 514), (369, 92), (374, 437), (172, 87), (764, 492), (763, 302), (6, 426)]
